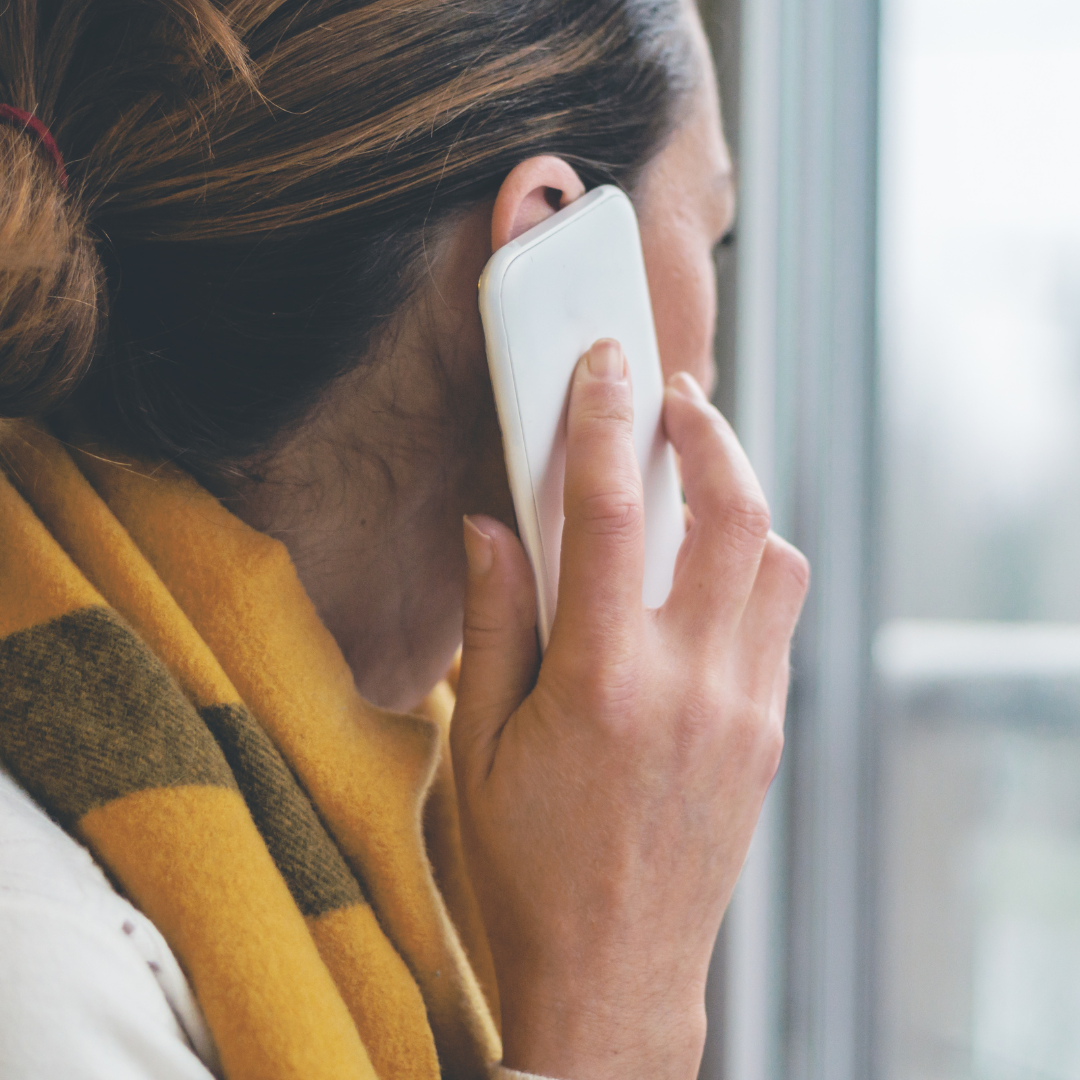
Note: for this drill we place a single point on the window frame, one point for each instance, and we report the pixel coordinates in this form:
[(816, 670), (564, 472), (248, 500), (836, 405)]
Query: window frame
[(791, 992)]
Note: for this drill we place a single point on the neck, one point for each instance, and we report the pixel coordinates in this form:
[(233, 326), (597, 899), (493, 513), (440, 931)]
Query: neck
[(368, 496)]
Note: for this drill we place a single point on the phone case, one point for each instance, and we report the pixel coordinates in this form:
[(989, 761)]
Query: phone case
[(544, 299)]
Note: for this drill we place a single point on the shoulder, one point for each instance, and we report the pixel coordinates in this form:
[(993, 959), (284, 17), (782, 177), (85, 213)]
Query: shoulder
[(88, 986)]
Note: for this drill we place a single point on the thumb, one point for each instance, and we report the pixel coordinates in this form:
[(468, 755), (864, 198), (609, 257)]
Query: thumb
[(499, 653)]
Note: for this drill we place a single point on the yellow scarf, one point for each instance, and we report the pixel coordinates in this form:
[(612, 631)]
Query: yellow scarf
[(169, 695)]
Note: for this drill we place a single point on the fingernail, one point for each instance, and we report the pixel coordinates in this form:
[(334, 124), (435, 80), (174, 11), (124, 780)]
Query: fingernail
[(685, 385), (479, 550), (605, 360)]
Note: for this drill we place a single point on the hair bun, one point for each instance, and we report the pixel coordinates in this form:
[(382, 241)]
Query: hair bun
[(51, 297)]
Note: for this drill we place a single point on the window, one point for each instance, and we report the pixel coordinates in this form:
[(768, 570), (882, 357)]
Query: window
[(978, 653), (905, 334)]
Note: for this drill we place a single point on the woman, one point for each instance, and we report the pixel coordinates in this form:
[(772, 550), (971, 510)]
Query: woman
[(240, 245)]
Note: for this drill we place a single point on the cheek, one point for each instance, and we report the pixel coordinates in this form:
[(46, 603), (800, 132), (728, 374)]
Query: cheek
[(682, 285)]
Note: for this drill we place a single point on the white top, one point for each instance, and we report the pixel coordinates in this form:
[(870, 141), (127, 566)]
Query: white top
[(88, 987), (89, 990)]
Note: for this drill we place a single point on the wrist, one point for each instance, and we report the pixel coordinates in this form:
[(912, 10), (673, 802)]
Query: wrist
[(569, 1035)]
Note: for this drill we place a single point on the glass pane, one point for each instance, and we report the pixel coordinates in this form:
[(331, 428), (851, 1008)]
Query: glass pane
[(980, 307), (978, 660)]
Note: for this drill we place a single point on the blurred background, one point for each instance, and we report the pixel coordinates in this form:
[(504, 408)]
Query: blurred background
[(900, 348)]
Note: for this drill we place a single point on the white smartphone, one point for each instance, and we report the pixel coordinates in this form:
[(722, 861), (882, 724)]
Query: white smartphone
[(544, 299)]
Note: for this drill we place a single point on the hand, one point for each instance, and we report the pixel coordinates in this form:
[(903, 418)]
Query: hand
[(608, 799)]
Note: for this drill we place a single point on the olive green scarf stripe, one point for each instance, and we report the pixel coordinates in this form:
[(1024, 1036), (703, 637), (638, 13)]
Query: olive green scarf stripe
[(88, 715), (309, 861)]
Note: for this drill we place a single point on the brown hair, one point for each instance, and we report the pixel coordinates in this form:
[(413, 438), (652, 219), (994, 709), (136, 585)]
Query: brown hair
[(251, 181)]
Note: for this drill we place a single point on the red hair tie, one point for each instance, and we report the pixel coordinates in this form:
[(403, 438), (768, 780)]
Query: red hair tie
[(33, 126)]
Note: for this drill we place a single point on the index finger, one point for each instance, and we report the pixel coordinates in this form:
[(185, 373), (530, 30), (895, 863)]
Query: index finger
[(602, 561)]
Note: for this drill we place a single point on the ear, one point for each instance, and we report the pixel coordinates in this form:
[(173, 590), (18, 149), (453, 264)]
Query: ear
[(534, 190)]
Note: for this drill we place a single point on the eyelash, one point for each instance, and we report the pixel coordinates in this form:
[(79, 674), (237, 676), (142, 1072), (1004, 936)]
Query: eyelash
[(721, 251), (725, 241)]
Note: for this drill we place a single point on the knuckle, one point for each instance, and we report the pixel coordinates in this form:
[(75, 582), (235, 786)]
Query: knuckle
[(742, 727), (712, 690), (751, 731), (481, 632), (792, 563), (746, 518), (605, 405), (613, 703), (747, 728), (605, 695), (699, 723), (617, 514)]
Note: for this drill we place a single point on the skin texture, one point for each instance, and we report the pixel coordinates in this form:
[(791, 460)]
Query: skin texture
[(607, 796), (607, 807), (369, 496)]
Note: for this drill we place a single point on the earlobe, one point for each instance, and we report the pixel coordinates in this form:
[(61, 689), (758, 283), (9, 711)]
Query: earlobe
[(534, 190)]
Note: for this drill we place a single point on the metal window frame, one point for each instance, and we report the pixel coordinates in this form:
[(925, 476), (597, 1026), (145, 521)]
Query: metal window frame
[(795, 957)]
